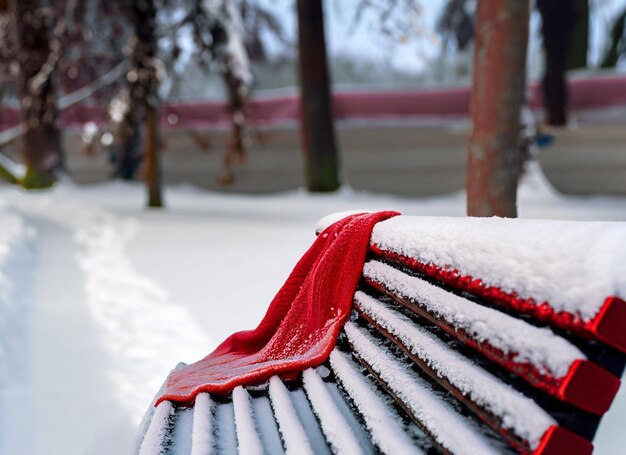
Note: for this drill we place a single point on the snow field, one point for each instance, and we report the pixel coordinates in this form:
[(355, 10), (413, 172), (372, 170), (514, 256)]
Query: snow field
[(17, 239), (141, 327)]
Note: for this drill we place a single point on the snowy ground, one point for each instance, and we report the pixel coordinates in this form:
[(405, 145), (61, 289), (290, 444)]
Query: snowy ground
[(100, 298)]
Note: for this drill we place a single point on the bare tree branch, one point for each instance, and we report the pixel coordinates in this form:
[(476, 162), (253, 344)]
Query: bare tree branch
[(9, 135)]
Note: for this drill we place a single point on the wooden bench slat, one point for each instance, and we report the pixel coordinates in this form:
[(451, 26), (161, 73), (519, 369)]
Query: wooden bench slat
[(382, 422), (546, 361), (266, 424), (309, 421), (593, 346), (225, 431), (293, 434), (452, 432), (333, 423), (182, 431), (557, 272), (346, 406), (518, 418), (606, 326)]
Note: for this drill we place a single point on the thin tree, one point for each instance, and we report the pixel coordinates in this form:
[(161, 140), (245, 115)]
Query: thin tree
[(316, 117), (498, 81), (37, 54), (143, 90), (577, 56), (558, 21), (616, 47)]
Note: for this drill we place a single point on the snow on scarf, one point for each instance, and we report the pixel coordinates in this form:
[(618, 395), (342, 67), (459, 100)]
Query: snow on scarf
[(301, 325)]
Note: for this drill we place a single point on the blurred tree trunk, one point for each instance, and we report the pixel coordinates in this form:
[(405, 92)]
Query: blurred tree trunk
[(558, 22), (615, 48), (497, 95), (316, 121), (153, 167), (143, 88), (577, 56), (237, 144), (41, 144)]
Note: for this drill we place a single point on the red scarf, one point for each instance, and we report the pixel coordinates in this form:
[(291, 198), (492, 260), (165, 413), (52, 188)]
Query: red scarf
[(301, 325)]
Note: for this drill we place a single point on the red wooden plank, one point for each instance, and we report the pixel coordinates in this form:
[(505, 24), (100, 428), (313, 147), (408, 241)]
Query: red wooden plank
[(585, 385), (607, 326), (559, 441)]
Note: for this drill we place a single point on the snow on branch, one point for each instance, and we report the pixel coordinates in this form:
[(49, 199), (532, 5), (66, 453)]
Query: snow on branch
[(225, 24)]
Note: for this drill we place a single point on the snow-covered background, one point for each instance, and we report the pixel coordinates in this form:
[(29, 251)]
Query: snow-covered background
[(99, 298), (363, 57)]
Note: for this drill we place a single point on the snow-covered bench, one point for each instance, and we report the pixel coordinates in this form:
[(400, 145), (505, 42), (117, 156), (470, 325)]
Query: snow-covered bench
[(467, 336)]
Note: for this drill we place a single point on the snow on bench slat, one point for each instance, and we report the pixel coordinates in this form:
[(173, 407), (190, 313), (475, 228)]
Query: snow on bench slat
[(550, 354), (182, 432), (451, 430), (248, 440), (360, 432), (291, 430), (158, 435), (334, 425), (517, 412), (302, 406), (267, 426), (202, 431), (381, 421), (225, 429), (572, 265)]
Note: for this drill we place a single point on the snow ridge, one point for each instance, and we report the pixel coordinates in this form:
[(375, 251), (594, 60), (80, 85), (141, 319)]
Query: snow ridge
[(572, 265), (517, 412), (549, 353), (144, 332), (454, 432), (16, 258)]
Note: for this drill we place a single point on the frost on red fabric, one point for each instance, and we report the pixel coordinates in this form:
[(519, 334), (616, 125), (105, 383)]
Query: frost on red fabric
[(301, 325)]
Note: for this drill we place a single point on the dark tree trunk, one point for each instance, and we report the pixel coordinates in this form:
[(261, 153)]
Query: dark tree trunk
[(496, 98), (127, 155), (316, 121), (577, 57), (558, 21), (153, 168), (143, 87), (41, 144)]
